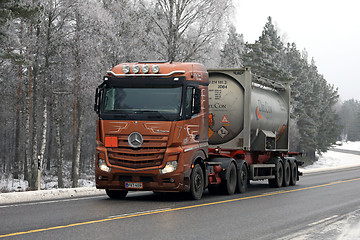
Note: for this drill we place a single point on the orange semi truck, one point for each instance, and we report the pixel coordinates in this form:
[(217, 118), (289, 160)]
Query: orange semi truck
[(178, 127)]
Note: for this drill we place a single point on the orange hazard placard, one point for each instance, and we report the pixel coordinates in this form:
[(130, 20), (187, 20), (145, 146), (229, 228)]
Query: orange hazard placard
[(225, 119)]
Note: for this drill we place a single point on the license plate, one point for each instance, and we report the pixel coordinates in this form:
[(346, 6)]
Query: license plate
[(134, 185)]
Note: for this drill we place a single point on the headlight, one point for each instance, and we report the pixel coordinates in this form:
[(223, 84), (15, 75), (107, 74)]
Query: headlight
[(136, 69), (145, 68), (103, 166), (155, 68), (126, 68), (170, 167)]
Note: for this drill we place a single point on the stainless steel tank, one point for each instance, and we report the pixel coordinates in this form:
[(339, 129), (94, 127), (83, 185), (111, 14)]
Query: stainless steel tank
[(242, 108)]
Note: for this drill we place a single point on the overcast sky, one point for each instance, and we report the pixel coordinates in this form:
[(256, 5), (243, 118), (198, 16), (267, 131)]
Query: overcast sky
[(328, 29)]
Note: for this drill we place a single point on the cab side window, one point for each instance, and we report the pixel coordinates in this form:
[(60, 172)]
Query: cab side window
[(192, 102)]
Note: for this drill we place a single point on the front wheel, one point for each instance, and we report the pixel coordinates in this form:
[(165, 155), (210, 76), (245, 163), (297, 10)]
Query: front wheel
[(197, 182), (116, 194)]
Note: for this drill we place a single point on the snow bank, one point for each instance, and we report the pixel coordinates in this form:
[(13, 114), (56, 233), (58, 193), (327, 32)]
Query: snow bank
[(332, 160), (17, 197)]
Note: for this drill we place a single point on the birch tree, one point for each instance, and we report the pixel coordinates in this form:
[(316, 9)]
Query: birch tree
[(188, 27)]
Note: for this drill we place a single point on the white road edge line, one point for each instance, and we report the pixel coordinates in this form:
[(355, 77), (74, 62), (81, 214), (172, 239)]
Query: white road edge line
[(134, 213), (51, 201), (323, 220)]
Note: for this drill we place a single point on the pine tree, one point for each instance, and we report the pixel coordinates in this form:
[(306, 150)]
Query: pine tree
[(266, 55), (233, 50)]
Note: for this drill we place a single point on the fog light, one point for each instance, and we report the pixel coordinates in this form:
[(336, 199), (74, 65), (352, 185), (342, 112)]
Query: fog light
[(170, 167), (103, 166)]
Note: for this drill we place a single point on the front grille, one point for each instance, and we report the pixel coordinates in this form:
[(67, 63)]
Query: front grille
[(150, 154)]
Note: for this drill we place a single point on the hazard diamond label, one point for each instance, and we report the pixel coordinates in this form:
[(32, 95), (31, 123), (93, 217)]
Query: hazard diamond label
[(222, 132), (225, 119)]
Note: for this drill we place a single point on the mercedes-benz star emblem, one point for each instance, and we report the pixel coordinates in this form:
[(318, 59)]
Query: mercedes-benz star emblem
[(135, 140)]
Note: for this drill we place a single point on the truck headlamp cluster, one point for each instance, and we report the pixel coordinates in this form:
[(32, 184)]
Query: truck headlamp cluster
[(103, 166), (170, 167)]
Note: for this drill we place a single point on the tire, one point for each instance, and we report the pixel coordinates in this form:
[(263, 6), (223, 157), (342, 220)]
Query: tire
[(196, 182), (242, 178), (287, 174), (279, 176), (229, 185), (116, 194), (294, 173)]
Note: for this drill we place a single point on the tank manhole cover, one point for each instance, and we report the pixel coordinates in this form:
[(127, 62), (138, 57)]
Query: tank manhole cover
[(222, 132)]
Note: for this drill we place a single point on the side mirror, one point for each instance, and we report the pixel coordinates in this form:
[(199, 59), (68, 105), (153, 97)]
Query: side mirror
[(197, 101), (96, 105)]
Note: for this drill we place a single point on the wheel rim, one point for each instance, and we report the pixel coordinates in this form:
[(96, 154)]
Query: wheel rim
[(243, 175), (198, 181)]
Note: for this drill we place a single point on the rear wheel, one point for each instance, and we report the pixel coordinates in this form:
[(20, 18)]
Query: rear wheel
[(116, 194), (242, 178), (197, 182), (294, 173), (229, 185), (279, 175), (287, 174)]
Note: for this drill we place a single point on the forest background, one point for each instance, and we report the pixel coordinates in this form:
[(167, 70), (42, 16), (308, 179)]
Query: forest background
[(54, 53)]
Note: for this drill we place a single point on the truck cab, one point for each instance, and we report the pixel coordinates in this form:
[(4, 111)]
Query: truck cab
[(152, 128)]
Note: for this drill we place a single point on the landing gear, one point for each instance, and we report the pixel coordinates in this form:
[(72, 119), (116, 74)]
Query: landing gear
[(197, 182)]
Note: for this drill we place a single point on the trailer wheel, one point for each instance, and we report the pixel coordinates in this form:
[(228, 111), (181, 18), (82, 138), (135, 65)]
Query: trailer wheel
[(242, 178), (287, 174), (294, 173), (279, 175), (116, 194), (197, 182), (229, 185)]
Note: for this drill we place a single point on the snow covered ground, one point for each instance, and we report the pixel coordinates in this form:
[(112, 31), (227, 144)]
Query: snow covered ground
[(334, 160), (327, 161)]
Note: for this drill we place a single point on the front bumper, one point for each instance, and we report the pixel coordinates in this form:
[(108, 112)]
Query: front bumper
[(170, 182)]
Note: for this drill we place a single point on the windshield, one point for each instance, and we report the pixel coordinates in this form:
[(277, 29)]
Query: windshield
[(161, 102)]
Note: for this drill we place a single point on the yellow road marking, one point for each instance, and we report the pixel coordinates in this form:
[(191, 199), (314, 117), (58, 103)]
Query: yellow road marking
[(175, 209)]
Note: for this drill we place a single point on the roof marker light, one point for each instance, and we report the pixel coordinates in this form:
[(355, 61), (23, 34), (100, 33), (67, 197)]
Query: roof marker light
[(145, 68), (126, 68), (155, 68), (135, 68)]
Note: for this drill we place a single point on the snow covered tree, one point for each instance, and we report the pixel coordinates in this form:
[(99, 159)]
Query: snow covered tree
[(188, 27), (266, 55), (233, 50)]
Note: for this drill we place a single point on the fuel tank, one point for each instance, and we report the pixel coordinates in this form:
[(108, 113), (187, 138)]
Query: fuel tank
[(247, 111)]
